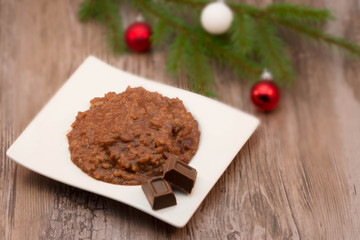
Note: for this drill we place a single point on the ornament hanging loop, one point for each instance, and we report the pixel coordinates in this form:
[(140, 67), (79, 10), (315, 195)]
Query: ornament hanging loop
[(139, 18), (266, 75)]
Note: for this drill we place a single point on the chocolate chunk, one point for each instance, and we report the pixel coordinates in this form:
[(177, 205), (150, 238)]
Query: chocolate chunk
[(187, 143), (180, 174), (159, 193)]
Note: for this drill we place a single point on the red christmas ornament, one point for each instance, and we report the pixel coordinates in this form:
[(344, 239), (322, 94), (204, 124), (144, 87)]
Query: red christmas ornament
[(265, 95), (137, 37)]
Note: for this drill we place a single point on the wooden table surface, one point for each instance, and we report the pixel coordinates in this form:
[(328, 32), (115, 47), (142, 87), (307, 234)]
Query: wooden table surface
[(298, 177)]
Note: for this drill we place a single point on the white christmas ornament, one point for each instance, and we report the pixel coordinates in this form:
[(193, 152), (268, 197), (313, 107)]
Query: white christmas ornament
[(216, 17)]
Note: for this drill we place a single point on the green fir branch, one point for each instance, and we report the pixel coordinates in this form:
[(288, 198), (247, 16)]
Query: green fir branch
[(196, 33), (161, 33), (184, 54), (299, 13), (272, 53), (243, 35), (174, 56), (319, 35), (204, 39), (192, 3), (252, 43)]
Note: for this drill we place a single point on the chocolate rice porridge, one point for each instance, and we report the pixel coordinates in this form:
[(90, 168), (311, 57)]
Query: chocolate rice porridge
[(126, 138)]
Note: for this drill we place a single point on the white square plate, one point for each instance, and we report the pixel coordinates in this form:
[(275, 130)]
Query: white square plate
[(43, 146)]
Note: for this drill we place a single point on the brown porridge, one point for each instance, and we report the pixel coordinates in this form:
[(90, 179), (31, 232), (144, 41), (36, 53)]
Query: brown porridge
[(126, 138)]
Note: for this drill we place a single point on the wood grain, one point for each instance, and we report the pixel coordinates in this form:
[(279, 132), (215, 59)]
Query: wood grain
[(298, 177)]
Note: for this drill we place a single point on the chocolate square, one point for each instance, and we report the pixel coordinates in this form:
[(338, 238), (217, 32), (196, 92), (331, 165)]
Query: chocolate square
[(180, 174), (159, 193)]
